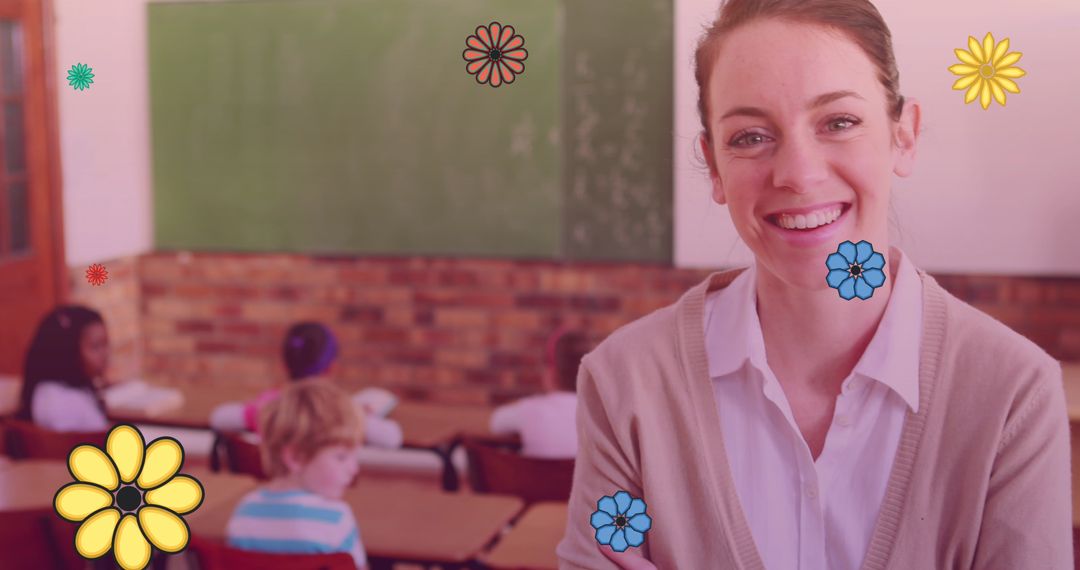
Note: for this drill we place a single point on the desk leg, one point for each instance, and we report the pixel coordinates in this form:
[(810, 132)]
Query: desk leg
[(449, 475)]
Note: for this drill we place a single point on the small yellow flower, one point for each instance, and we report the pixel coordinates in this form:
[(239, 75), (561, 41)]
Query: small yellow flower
[(987, 70), (128, 497)]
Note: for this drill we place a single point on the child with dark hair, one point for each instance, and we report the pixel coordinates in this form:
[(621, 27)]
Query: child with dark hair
[(547, 422), (64, 371), (309, 351)]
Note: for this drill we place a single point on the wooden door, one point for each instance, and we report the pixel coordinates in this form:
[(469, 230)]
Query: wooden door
[(32, 274)]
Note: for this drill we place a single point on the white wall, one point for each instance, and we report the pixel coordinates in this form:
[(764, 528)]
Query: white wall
[(993, 191), (104, 130)]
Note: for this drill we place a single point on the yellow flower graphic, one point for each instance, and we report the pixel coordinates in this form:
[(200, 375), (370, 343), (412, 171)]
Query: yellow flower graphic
[(987, 70), (128, 497)]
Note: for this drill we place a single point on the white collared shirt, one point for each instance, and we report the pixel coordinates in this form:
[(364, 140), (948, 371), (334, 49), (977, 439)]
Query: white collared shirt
[(806, 514)]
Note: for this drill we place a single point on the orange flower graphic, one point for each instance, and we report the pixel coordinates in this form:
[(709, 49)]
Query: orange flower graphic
[(495, 54)]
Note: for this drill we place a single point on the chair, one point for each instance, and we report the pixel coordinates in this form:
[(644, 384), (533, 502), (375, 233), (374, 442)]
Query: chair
[(241, 456), (27, 542), (213, 555), (495, 468), (26, 440)]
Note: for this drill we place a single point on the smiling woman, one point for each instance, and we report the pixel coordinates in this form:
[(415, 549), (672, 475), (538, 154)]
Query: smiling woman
[(769, 422)]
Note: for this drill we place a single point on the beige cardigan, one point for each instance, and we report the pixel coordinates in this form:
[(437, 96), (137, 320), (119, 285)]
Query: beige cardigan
[(981, 478)]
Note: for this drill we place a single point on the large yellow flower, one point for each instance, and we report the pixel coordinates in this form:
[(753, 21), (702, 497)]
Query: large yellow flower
[(128, 497), (987, 70)]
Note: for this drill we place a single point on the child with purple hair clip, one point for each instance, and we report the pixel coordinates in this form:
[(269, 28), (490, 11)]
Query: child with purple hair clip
[(309, 351)]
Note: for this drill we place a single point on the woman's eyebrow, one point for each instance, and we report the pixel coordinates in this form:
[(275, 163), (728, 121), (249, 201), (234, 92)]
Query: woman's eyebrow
[(818, 101)]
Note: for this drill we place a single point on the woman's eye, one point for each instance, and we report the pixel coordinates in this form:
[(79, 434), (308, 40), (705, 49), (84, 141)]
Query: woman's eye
[(746, 140), (851, 121)]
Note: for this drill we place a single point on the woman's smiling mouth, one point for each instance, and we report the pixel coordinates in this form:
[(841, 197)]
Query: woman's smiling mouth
[(810, 226)]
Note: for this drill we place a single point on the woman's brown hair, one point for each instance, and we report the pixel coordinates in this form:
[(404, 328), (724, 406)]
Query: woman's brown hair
[(859, 20)]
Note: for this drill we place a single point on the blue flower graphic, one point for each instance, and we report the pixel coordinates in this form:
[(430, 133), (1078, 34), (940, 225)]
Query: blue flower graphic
[(855, 270), (620, 521)]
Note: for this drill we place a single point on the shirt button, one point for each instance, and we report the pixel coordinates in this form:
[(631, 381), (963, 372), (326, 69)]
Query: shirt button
[(842, 421), (811, 491)]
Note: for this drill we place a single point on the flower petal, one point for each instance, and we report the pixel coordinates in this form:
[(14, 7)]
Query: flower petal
[(847, 249), (505, 36), (163, 459), (847, 289), (95, 536), (836, 261), (863, 290), (495, 32), (965, 81), (90, 464), (976, 49), (474, 67), (1008, 60), (637, 506), (836, 277), (130, 547), (622, 501), (607, 504), (876, 261), (495, 79), (505, 73), (999, 51), (874, 277), (513, 65), (514, 43), (126, 447), (962, 69), (633, 537), (1012, 72), (988, 46), (485, 71), (76, 501), (863, 249), (475, 43), (999, 93), (618, 541), (641, 522), (485, 37), (181, 495), (518, 54), (984, 94), (600, 518), (604, 534), (1006, 84), (973, 91), (473, 54), (966, 57), (164, 529)]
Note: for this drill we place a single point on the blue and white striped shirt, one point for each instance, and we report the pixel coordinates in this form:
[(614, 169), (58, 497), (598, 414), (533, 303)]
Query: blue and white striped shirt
[(295, 521)]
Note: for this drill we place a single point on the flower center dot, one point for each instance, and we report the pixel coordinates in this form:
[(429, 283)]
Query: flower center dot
[(128, 498), (986, 70), (495, 54), (856, 270), (620, 521)]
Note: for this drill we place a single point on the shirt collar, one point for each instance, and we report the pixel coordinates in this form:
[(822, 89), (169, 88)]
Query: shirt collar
[(891, 357)]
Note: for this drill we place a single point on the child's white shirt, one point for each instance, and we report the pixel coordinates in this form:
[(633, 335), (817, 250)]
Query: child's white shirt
[(545, 422), (58, 407)]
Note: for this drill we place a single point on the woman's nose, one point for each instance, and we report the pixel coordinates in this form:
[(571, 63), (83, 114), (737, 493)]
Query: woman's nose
[(799, 164)]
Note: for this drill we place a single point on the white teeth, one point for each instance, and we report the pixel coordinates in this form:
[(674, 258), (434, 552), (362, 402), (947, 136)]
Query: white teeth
[(809, 221)]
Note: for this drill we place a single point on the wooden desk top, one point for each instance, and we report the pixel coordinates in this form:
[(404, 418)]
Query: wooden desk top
[(423, 424), (27, 484), (531, 543), (400, 520)]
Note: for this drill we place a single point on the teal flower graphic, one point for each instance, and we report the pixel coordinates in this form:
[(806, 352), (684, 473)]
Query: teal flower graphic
[(80, 76), (855, 270), (620, 521)]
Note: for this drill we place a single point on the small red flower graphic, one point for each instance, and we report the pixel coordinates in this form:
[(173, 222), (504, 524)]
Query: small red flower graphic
[(495, 54), (96, 274)]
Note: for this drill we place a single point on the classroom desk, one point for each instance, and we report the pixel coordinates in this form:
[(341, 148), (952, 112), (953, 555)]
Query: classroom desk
[(404, 523), (530, 545), (424, 425), (33, 483)]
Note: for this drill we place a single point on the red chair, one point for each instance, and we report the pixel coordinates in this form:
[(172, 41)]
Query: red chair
[(241, 456), (26, 440), (497, 468), (214, 555)]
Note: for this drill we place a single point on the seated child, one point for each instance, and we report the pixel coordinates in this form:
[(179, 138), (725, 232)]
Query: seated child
[(64, 372), (310, 437), (547, 422), (309, 351)]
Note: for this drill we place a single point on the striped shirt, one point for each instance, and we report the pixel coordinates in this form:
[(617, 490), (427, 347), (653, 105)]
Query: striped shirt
[(295, 521)]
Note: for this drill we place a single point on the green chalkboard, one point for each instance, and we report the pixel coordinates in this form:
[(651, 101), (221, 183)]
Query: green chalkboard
[(351, 126)]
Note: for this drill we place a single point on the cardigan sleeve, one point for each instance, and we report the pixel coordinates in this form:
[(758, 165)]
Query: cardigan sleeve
[(602, 468), (1027, 520)]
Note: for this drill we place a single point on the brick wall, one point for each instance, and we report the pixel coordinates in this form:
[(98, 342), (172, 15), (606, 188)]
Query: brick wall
[(453, 330), (117, 301)]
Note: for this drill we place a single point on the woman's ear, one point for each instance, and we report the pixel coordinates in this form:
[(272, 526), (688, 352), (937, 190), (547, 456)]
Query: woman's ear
[(714, 176), (906, 138)]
